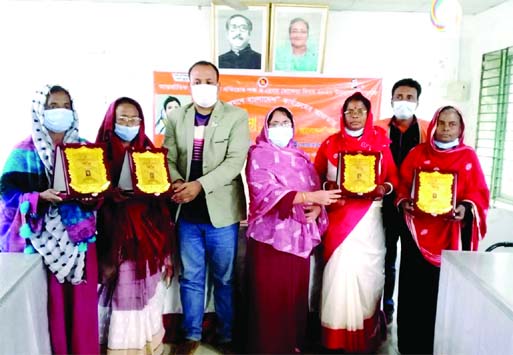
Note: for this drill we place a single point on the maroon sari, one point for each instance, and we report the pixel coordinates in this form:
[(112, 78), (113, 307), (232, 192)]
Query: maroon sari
[(137, 229)]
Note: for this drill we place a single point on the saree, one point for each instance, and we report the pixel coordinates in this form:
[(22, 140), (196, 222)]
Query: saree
[(280, 244), (354, 248)]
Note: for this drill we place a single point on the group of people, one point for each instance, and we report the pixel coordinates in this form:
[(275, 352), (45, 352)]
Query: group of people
[(126, 244)]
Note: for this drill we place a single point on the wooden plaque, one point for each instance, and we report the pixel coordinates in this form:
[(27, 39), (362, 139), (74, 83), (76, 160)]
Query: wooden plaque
[(80, 170), (358, 173), (145, 172), (434, 192)]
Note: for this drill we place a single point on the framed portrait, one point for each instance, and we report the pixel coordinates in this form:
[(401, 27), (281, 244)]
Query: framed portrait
[(298, 36), (241, 38)]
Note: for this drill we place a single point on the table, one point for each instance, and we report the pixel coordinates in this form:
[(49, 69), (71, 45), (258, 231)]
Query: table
[(475, 304), (23, 305)]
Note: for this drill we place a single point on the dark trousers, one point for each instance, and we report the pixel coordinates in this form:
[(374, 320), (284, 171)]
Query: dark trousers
[(418, 292), (394, 225)]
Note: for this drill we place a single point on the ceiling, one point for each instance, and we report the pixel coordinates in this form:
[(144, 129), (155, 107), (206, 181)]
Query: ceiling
[(470, 7)]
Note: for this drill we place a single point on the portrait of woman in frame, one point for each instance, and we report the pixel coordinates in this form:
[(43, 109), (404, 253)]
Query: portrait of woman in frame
[(241, 37), (298, 36)]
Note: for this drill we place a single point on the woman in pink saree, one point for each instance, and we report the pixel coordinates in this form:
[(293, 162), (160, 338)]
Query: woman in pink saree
[(286, 222)]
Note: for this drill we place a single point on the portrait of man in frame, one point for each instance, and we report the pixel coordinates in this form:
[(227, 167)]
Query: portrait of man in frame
[(241, 37)]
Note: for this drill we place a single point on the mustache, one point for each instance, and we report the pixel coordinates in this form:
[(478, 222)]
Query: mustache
[(237, 37)]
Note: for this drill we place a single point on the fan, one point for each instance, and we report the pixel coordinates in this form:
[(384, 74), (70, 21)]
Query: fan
[(234, 4)]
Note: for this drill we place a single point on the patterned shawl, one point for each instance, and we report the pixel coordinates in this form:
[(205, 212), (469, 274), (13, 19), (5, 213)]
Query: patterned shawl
[(272, 173), (59, 233), (434, 234), (138, 229)]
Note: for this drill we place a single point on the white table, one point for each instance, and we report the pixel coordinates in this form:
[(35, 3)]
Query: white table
[(475, 304), (23, 305)]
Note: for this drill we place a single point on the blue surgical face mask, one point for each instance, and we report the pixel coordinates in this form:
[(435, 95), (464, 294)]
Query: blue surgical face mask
[(58, 119), (447, 145), (126, 133)]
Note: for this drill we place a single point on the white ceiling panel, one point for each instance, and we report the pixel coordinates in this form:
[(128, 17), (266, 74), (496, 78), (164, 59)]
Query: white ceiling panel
[(470, 7)]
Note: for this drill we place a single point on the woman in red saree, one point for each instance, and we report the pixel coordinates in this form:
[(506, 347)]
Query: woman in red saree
[(428, 235), (354, 245), (135, 235)]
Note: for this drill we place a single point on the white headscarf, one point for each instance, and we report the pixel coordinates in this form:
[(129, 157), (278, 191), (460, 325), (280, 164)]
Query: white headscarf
[(60, 254)]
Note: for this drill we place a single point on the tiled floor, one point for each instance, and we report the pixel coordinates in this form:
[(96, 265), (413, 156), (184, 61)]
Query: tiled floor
[(204, 349), (389, 347)]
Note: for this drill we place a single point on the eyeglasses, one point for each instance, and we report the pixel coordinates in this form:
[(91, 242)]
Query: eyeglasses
[(280, 124), (130, 120), (242, 28), (303, 32), (358, 112)]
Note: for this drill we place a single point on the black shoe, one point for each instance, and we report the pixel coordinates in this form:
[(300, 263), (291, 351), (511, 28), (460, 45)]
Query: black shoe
[(188, 347), (225, 348)]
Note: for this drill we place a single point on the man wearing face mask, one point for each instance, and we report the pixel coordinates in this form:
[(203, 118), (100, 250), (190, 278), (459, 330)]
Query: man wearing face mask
[(405, 131), (208, 141), (240, 55)]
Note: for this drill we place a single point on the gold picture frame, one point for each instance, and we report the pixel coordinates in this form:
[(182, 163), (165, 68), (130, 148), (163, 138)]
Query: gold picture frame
[(240, 37), (435, 192), (151, 172), (80, 170), (358, 173), (298, 38), (145, 172)]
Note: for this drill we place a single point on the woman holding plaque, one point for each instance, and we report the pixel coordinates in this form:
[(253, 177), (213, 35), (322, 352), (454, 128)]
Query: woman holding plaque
[(354, 245), (36, 219), (447, 215), (135, 234), (286, 221)]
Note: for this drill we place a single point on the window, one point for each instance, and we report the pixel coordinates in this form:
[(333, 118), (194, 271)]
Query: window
[(494, 141)]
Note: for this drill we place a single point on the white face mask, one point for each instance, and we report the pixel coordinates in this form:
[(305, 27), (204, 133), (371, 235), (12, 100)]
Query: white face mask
[(58, 119), (281, 136), (404, 110), (447, 145), (355, 134), (204, 95)]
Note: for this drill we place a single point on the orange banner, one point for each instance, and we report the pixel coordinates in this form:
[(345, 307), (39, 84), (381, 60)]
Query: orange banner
[(315, 102)]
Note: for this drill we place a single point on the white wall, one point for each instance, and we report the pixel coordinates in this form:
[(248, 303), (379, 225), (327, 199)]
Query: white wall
[(486, 32), (393, 46), (99, 51)]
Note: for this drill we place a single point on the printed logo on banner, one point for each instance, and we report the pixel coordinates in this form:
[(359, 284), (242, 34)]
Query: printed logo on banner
[(262, 82)]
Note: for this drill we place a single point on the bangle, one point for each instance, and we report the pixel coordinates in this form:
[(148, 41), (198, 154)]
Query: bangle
[(303, 195), (391, 188)]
